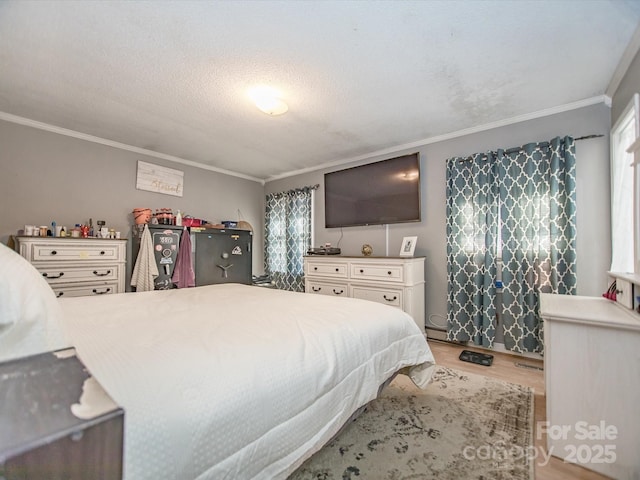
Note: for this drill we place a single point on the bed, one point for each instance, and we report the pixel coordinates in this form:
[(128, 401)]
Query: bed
[(227, 381)]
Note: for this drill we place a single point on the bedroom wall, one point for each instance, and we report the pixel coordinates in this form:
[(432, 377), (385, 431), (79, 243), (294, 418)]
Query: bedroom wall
[(47, 176), (629, 85), (593, 242)]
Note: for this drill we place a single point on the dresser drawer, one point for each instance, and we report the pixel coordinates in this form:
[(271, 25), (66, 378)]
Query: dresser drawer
[(74, 252), (382, 272), (394, 281), (388, 296), (624, 293), (67, 291), (325, 269), (67, 274), (322, 288)]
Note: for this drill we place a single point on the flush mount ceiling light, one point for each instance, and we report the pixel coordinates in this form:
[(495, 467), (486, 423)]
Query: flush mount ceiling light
[(268, 100)]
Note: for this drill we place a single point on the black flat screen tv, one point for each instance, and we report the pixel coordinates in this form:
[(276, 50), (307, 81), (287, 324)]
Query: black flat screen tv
[(377, 193)]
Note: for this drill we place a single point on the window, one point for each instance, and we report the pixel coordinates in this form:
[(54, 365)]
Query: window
[(288, 223), (623, 134)]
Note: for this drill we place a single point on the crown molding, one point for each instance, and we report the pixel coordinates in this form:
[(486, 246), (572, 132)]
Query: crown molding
[(8, 117), (448, 136), (387, 151)]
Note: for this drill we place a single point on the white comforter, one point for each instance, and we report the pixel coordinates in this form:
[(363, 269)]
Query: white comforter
[(237, 382)]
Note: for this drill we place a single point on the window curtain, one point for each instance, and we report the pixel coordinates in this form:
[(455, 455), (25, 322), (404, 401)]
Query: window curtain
[(472, 229), (287, 237), (517, 206), (538, 233)]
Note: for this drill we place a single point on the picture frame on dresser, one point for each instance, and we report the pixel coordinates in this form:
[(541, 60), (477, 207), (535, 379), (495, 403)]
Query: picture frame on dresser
[(408, 246)]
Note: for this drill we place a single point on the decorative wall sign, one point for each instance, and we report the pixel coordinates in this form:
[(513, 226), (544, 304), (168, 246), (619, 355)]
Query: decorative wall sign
[(155, 178)]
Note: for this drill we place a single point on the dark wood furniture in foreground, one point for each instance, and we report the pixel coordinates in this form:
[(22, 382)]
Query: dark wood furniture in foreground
[(57, 422)]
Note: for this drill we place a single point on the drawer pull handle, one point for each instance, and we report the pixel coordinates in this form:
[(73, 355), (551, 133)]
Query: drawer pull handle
[(315, 268), (46, 275), (361, 271), (101, 274), (389, 272), (390, 299), (316, 289), (338, 292), (53, 252), (337, 269), (101, 293), (59, 294), (102, 252)]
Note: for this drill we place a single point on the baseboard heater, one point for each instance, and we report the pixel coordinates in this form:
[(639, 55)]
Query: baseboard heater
[(434, 334)]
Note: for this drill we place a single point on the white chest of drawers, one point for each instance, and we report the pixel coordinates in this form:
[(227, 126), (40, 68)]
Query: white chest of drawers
[(76, 267), (592, 368), (395, 281)]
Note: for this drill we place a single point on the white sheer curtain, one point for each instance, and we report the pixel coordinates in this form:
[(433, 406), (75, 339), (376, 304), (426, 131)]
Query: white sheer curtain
[(623, 134)]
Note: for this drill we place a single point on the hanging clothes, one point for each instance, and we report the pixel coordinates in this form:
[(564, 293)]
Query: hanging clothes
[(145, 269), (183, 275)]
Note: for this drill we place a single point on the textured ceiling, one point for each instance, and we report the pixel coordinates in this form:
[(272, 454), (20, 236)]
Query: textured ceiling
[(359, 77)]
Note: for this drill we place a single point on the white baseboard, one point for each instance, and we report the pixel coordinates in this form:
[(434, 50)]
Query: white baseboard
[(499, 347)]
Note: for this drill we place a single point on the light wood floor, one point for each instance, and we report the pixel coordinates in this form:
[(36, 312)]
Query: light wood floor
[(504, 367)]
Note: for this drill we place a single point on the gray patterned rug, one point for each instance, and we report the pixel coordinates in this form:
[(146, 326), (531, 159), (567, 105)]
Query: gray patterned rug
[(463, 426)]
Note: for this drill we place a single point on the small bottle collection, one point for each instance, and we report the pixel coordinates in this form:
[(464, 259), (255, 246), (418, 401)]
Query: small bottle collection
[(165, 216), (80, 230)]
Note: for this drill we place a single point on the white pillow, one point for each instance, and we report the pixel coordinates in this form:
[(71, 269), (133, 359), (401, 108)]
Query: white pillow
[(29, 311)]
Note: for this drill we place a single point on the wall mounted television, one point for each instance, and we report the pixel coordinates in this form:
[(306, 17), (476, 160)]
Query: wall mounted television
[(377, 193)]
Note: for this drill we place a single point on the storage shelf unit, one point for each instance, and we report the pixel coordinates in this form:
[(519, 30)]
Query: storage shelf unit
[(395, 281), (76, 267)]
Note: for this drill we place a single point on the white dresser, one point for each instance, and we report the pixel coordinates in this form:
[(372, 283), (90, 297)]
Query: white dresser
[(592, 381), (76, 267), (395, 281)]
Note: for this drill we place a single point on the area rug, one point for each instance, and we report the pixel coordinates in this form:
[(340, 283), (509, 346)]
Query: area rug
[(462, 426)]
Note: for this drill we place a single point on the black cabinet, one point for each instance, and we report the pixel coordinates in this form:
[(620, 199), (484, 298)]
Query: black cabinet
[(51, 429), (222, 256), (217, 255), (166, 243)]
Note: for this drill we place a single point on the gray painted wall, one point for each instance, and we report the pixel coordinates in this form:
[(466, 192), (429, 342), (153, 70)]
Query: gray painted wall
[(593, 193), (629, 85), (45, 176)]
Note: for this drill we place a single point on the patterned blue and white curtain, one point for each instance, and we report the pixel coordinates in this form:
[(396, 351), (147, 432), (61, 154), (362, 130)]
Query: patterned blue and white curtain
[(538, 232), (472, 229), (532, 193), (287, 237)]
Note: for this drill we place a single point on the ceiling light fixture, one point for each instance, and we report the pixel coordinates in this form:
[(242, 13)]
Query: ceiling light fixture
[(267, 99)]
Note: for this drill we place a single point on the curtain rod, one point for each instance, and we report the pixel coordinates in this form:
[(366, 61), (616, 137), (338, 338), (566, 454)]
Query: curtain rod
[(296, 190), (542, 144), (587, 137)]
